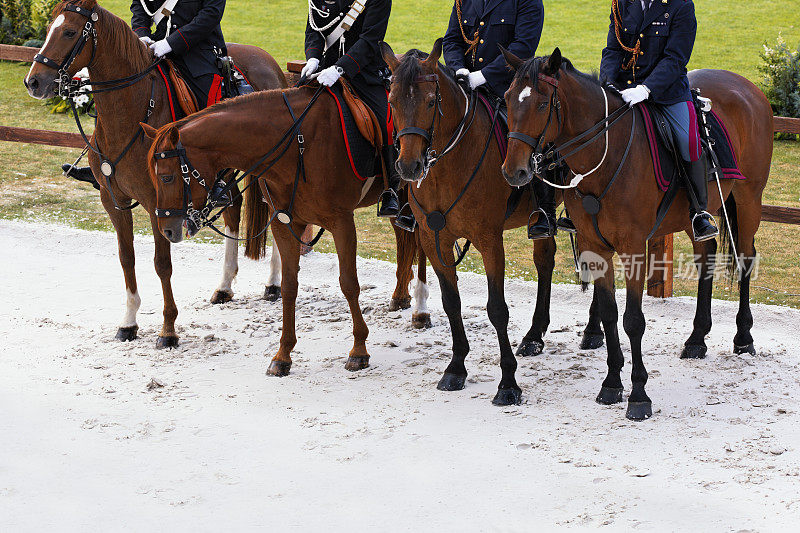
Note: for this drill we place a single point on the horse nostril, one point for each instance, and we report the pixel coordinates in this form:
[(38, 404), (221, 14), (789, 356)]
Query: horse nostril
[(33, 83), (521, 176), (168, 233)]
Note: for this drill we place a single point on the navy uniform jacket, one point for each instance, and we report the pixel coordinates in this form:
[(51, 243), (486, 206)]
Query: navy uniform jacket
[(514, 24), (667, 31), (362, 61), (194, 34)]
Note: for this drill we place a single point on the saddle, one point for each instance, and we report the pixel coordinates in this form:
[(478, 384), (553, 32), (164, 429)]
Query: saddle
[(183, 94), (365, 119)]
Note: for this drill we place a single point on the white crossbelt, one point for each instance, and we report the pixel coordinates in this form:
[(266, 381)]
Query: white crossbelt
[(346, 23), (165, 10)]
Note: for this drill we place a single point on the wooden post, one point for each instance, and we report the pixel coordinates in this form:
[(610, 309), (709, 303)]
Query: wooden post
[(49, 138), (660, 267)]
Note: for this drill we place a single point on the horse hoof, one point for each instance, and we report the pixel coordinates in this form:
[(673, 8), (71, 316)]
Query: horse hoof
[(279, 368), (530, 348), (170, 341), (356, 363), (694, 351), (609, 396), (126, 334), (451, 382), (592, 341), (272, 293), (747, 348), (421, 321), (400, 303), (508, 397), (639, 410), (221, 297)]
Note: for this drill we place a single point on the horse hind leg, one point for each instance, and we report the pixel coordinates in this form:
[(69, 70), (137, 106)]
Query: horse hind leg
[(420, 315), (272, 292), (544, 251), (745, 224), (593, 334), (406, 251), (230, 266), (705, 254)]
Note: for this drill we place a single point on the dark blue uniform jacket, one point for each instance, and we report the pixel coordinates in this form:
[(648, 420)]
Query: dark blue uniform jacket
[(667, 31), (514, 24), (194, 34)]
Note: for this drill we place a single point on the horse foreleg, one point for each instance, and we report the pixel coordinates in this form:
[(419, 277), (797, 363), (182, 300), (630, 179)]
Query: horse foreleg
[(420, 315), (544, 252), (272, 292), (639, 405), (123, 225), (344, 237), (230, 267), (611, 390), (704, 256), (508, 392), (163, 264), (406, 250), (290, 266)]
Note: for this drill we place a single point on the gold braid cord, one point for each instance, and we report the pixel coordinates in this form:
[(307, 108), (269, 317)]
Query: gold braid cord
[(473, 43), (637, 47)]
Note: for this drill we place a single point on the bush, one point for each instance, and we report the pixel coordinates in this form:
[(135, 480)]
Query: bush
[(781, 71), (24, 20), (40, 17)]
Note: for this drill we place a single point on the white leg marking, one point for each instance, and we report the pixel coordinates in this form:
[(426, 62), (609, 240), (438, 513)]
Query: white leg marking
[(274, 268), (524, 93), (132, 303), (231, 266), (420, 298), (56, 23)]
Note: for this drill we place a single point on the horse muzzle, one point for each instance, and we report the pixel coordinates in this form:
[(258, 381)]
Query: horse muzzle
[(518, 176), (412, 171), (41, 86), (172, 229)]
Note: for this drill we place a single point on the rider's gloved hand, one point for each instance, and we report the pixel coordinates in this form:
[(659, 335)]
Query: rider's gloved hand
[(329, 76), (637, 94), (146, 40), (310, 68), (462, 72), (161, 48), (476, 79)]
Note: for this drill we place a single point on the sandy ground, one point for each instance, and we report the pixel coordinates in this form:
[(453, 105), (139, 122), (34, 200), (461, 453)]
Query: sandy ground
[(85, 444)]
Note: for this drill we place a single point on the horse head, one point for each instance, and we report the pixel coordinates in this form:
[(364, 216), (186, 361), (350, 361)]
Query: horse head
[(416, 106), (533, 113)]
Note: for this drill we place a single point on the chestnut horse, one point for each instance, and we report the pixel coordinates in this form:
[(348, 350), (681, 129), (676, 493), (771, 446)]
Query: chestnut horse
[(117, 54), (552, 87), (431, 111), (258, 133)]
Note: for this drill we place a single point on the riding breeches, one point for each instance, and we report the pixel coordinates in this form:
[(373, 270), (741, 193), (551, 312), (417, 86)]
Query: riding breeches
[(376, 98), (206, 88), (682, 119)]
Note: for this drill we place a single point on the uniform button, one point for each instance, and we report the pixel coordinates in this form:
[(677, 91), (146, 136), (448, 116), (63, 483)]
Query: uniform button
[(480, 60), (656, 33), (481, 41), (482, 23), (465, 21), (629, 82), (641, 53), (626, 29), (502, 20)]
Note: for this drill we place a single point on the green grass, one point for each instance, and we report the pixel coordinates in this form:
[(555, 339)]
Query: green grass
[(730, 37)]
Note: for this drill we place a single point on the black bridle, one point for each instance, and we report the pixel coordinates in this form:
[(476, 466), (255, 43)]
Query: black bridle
[(538, 156)]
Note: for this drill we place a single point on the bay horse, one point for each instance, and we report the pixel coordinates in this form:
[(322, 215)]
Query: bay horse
[(432, 112), (116, 53), (551, 89), (319, 189)]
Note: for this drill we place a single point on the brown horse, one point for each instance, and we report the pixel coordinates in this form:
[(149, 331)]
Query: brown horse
[(115, 54), (552, 87), (321, 189), (431, 111)]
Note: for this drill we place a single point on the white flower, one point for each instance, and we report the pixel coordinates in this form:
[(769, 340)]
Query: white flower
[(81, 100), (82, 74)]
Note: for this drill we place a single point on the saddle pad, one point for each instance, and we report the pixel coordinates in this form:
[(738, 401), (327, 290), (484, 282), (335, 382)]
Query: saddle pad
[(664, 160), (500, 127), (361, 153)]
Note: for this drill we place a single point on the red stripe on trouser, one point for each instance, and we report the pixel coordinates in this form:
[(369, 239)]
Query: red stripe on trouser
[(694, 134), (215, 92)]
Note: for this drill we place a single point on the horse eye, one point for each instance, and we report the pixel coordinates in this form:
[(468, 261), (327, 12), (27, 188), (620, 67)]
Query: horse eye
[(431, 104), (69, 34), (167, 178), (542, 106)]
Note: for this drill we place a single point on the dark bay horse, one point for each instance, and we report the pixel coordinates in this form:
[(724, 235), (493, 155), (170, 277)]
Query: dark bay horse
[(322, 190), (552, 87), (431, 111), (117, 54)]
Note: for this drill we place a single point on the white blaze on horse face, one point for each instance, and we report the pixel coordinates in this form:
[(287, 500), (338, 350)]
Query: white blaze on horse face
[(56, 23), (231, 266), (420, 299), (274, 268), (524, 93), (132, 303)]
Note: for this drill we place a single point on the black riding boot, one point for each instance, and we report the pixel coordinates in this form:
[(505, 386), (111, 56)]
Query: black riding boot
[(389, 204), (545, 225), (703, 225), (80, 174)]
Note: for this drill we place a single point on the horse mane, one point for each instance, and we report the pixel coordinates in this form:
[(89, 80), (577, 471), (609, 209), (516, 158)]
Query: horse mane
[(114, 33), (530, 69), (409, 69)]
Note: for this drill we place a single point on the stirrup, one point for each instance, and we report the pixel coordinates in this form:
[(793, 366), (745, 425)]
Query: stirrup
[(565, 224), (383, 211), (406, 222), (711, 221), (551, 229)]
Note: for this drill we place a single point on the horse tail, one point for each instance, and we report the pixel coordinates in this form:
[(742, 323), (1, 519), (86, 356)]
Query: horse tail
[(256, 217), (727, 234)]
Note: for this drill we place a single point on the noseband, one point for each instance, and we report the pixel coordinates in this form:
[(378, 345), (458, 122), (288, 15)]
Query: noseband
[(89, 33), (538, 156)]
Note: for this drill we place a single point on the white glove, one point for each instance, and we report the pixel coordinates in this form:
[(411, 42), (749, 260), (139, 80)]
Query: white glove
[(476, 79), (310, 68), (637, 94), (329, 76), (146, 40), (462, 72), (161, 48)]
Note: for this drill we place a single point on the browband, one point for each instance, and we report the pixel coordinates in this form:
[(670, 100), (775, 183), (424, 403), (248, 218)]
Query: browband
[(548, 79), (427, 77)]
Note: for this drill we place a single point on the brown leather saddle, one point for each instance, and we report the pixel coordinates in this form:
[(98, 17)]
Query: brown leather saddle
[(183, 94), (365, 118)]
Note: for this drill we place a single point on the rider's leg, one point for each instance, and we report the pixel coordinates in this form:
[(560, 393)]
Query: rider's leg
[(683, 120), (545, 225)]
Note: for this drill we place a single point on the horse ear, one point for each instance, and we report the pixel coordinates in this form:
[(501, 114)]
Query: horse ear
[(388, 56), (173, 135), (435, 54), (513, 61), (149, 130), (553, 62)]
